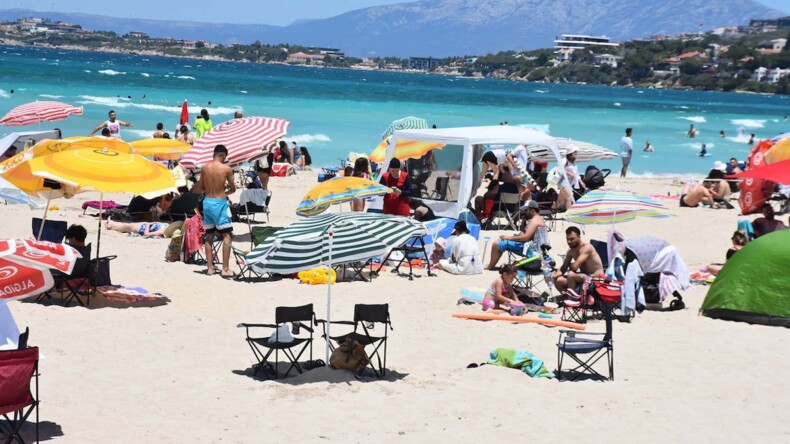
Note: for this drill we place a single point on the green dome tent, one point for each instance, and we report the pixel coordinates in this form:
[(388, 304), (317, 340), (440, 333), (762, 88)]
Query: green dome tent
[(754, 285)]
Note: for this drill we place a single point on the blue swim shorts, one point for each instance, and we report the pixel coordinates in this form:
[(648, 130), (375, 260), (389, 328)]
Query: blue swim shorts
[(216, 215), (509, 245)]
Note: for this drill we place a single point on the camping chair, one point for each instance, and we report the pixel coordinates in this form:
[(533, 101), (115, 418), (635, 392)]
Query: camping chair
[(365, 319), (527, 268), (73, 281), (577, 306), (281, 340), (441, 189), (17, 401), (54, 230), (257, 236), (254, 200), (182, 207), (357, 267), (98, 275), (506, 207), (418, 184), (411, 249), (585, 350), (139, 208), (547, 201)]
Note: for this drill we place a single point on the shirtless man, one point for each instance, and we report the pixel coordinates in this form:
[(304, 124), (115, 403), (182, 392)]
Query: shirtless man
[(695, 194), (515, 243), (581, 261), (214, 178)]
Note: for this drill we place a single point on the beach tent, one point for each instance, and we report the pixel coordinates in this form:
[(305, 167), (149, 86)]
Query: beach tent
[(472, 142), (754, 284), (18, 139)]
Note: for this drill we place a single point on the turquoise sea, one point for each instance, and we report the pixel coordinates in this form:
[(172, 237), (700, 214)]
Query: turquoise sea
[(335, 111)]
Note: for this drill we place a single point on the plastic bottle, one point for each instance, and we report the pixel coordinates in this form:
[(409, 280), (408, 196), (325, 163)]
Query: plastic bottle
[(547, 264)]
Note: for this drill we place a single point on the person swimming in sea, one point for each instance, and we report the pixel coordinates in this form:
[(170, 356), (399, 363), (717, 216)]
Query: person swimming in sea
[(703, 151)]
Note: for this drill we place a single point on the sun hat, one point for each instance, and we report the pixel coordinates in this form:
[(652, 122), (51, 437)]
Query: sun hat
[(571, 149), (719, 165), (442, 242)]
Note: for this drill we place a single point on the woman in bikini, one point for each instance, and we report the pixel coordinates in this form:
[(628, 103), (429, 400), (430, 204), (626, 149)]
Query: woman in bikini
[(145, 229)]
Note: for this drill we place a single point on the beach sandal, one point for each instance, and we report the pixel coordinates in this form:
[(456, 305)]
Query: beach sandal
[(315, 363), (228, 276)]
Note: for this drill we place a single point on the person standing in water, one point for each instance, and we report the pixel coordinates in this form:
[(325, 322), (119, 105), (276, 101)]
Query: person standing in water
[(113, 125), (626, 149), (703, 151)]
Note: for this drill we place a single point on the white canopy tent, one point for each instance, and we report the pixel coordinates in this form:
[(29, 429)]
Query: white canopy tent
[(472, 140)]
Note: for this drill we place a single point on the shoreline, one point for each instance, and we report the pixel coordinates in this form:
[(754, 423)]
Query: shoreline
[(152, 53)]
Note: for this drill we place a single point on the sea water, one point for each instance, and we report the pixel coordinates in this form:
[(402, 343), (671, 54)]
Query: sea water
[(335, 111)]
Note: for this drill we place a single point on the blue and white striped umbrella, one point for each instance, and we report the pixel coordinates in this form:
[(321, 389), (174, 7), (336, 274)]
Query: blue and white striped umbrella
[(14, 195)]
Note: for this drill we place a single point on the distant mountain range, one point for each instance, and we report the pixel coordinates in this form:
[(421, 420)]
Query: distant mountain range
[(443, 28)]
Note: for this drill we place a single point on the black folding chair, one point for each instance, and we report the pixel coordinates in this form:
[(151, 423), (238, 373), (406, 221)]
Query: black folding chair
[(411, 249), (262, 347), (70, 282), (98, 275), (54, 230), (17, 401), (366, 316), (585, 351)]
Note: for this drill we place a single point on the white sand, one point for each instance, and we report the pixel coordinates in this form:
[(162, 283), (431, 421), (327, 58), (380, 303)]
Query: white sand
[(176, 373)]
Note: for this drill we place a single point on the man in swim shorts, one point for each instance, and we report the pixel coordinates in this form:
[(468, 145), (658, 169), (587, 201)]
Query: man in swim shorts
[(696, 194), (216, 181)]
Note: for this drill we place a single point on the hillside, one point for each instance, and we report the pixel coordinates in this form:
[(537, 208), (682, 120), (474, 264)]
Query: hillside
[(453, 27)]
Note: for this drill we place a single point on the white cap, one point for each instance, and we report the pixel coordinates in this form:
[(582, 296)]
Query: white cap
[(571, 149), (719, 165)]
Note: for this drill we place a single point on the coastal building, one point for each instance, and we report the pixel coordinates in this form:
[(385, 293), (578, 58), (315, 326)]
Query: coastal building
[(303, 58), (607, 59), (423, 63), (771, 46), (332, 53), (769, 75), (576, 41), (767, 25)]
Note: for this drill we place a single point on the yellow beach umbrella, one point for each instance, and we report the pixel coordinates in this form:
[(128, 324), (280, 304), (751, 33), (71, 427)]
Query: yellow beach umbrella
[(405, 149), (338, 190), (169, 149), (105, 171), (778, 152)]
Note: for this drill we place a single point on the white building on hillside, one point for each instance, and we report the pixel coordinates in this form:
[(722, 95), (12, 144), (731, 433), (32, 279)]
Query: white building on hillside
[(769, 75), (574, 41)]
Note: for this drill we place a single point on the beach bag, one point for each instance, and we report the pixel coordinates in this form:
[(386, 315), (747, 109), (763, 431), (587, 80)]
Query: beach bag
[(350, 355), (263, 163), (173, 253), (280, 169)]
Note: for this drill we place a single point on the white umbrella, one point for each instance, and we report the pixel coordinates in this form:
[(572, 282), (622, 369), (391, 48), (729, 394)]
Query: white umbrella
[(585, 151)]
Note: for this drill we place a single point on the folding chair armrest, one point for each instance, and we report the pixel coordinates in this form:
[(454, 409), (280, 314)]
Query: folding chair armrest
[(107, 258), (323, 321), (584, 340), (245, 325), (306, 327)]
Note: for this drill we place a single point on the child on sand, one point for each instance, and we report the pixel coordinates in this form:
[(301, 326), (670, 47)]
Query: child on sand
[(500, 292)]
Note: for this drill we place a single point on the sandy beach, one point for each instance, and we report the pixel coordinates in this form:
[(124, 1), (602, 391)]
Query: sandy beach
[(181, 372)]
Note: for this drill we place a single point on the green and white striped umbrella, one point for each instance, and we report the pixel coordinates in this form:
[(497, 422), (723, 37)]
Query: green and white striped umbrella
[(355, 236), (410, 122)]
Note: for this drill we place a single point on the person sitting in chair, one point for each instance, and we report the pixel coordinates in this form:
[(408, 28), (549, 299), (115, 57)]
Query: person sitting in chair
[(534, 230), (580, 262), (422, 212), (75, 236), (397, 202), (768, 223)]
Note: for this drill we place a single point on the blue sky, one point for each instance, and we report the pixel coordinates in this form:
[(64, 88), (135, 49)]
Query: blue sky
[(274, 12)]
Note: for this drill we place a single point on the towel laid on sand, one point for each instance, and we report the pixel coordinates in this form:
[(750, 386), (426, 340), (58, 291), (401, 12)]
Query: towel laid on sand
[(520, 359)]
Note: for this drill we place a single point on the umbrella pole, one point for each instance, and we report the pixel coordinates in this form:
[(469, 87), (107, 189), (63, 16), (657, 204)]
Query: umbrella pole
[(41, 228), (329, 296), (98, 238)]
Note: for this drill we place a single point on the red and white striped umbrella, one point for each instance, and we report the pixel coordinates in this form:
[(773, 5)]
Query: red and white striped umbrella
[(244, 138), (37, 112), (25, 265)]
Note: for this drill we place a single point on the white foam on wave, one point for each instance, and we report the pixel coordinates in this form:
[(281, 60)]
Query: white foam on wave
[(617, 104), (145, 74), (541, 91), (124, 102), (111, 72), (740, 138), (682, 107), (144, 134), (50, 96), (87, 70), (695, 119), (748, 123), (538, 126), (308, 138), (698, 145), (243, 91), (186, 77), (4, 94)]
